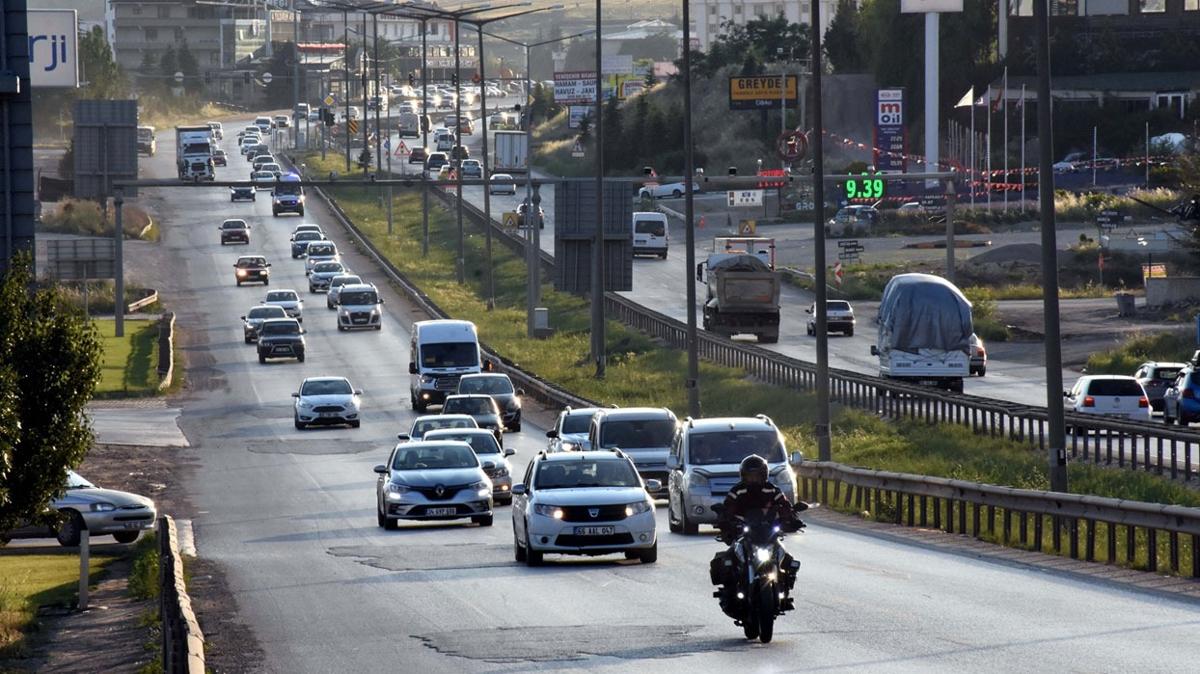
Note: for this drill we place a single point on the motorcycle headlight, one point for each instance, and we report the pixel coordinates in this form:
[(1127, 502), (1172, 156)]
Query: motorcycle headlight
[(762, 555), (482, 487), (637, 508), (696, 480), (103, 507), (548, 511)]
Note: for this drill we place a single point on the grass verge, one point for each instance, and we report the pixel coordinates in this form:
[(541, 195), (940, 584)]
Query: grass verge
[(1125, 357), (80, 217), (30, 580), (641, 372), (130, 363)]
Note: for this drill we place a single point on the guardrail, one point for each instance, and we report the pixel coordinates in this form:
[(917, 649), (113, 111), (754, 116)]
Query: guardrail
[(146, 301), (166, 349), (1125, 444), (1115, 531), (182, 640)]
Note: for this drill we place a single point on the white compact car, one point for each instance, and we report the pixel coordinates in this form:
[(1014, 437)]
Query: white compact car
[(1115, 396), (583, 503), (327, 400), (320, 251), (359, 307), (290, 301)]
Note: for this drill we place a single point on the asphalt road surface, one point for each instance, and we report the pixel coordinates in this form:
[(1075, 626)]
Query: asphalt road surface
[(289, 515)]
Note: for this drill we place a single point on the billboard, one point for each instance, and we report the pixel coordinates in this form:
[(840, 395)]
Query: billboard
[(890, 141), (762, 92), (575, 87), (930, 6), (576, 114), (53, 48)]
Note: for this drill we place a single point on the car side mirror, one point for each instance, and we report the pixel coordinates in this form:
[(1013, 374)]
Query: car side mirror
[(358, 392), (412, 368), (380, 301), (295, 395), (243, 318), (489, 465), (808, 310), (519, 490), (489, 366), (509, 451), (673, 463), (402, 436), (874, 350), (552, 433), (653, 485), (1066, 394), (268, 264), (796, 458), (381, 469), (700, 271)]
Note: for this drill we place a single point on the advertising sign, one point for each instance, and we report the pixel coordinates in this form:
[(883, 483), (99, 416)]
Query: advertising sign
[(930, 6), (761, 92), (890, 141), (575, 87), (53, 48), (576, 114), (616, 64)]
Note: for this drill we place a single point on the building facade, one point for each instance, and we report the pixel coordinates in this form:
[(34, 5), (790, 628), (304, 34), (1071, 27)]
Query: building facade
[(708, 16)]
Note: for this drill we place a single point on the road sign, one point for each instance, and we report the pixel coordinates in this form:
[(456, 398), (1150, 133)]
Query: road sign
[(766, 184), (329, 99), (402, 149), (747, 227), (849, 243), (744, 198), (762, 92), (848, 255), (80, 259), (267, 77), (53, 48), (792, 146), (577, 150), (1109, 219), (353, 125), (510, 220), (1154, 271)]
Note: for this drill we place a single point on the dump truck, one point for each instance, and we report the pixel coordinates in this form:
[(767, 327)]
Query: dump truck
[(925, 332), (742, 289)]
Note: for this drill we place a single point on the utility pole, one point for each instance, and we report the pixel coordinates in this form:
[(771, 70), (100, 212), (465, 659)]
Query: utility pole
[(365, 67), (693, 358), (425, 136), (824, 450), (1056, 443), (346, 81), (460, 263), (598, 337), (295, 76), (379, 96), (485, 173)]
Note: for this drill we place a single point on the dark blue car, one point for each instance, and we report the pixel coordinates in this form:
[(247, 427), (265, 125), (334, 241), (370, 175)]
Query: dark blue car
[(1181, 402)]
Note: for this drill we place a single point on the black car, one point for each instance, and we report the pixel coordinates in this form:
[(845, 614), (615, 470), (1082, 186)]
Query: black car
[(280, 338), (541, 214), (242, 193), (234, 231), (300, 242), (252, 321), (252, 269), (482, 408), (501, 390)]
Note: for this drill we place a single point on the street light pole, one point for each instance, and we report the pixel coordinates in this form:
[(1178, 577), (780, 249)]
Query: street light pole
[(598, 337), (693, 358), (425, 137), (365, 67), (824, 448), (484, 173), (378, 97), (346, 80), (460, 263)]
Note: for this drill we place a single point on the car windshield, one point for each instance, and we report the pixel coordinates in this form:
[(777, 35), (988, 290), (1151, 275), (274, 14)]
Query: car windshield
[(308, 236), (634, 434), (586, 473), (576, 423), (263, 175), (233, 224), (323, 249), (498, 385), (651, 227), (287, 189), (344, 280), (326, 267), (74, 481), (1114, 387), (425, 425), (326, 387), (837, 305), (450, 354), (1167, 373), (733, 446), (358, 298), (469, 406), (266, 312), (435, 456), (273, 168), (251, 262), (281, 328), (282, 296), (482, 443)]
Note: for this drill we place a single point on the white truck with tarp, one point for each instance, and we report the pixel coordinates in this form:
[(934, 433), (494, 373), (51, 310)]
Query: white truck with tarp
[(925, 332)]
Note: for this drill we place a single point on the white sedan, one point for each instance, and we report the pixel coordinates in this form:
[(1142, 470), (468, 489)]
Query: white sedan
[(665, 191), (263, 180), (502, 189), (327, 400)]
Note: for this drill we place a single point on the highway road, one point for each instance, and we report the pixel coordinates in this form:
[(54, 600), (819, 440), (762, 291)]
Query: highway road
[(288, 514)]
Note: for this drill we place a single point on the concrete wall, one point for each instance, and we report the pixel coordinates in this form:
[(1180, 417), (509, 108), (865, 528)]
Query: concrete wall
[(1172, 290)]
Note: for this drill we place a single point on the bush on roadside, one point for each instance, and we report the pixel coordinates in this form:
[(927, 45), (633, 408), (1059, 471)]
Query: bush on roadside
[(1125, 358), (143, 574), (74, 216)]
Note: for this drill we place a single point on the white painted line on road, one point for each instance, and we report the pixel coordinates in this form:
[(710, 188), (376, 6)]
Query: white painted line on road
[(187, 538)]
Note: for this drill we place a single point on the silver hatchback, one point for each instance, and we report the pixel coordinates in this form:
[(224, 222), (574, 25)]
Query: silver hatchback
[(434, 480)]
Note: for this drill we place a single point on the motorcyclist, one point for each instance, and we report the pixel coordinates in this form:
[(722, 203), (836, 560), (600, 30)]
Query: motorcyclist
[(752, 495)]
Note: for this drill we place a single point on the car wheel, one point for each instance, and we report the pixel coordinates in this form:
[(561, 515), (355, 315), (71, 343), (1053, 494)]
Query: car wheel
[(672, 523), (390, 524), (301, 212), (311, 290), (341, 328), (126, 536), (262, 358), (810, 331), (663, 256), (239, 284), (222, 242), (518, 551), (677, 194), (982, 371), (70, 531), (532, 557), (850, 332), (379, 327), (483, 520), (515, 428), (300, 357), (266, 282), (649, 555), (689, 527)]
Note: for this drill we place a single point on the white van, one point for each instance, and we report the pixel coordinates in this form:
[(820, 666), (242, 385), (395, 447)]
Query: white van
[(651, 234), (442, 351), (443, 139)]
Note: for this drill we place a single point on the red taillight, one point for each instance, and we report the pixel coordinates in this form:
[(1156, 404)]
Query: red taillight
[(1188, 393), (1143, 402), (1089, 402)]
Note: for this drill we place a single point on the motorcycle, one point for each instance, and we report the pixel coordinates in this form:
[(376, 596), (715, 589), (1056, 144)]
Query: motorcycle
[(752, 572)]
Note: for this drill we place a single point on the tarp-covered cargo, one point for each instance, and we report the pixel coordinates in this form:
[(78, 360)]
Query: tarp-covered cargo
[(921, 311)]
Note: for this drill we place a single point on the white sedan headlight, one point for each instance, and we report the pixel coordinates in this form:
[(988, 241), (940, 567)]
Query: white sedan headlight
[(637, 508), (548, 511), (103, 507), (482, 487)]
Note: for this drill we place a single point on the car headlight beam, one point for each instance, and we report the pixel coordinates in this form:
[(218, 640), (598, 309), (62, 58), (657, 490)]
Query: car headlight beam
[(637, 508), (548, 511)]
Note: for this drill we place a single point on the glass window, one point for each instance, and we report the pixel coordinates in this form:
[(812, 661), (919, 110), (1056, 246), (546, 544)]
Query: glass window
[(164, 12), (1153, 6), (437, 456), (470, 406), (639, 434), (450, 354), (326, 387), (498, 385), (1191, 5), (733, 446), (151, 34), (281, 328), (359, 298), (266, 312), (1115, 387), (576, 423), (482, 443), (597, 473)]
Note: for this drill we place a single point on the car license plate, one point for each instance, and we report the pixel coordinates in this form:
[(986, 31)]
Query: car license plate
[(329, 415), (282, 349), (436, 512), (594, 531), (132, 525)]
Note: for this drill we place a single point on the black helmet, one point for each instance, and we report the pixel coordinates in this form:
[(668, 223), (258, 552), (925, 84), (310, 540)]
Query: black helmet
[(754, 469)]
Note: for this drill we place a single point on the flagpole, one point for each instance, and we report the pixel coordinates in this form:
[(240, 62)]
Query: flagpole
[(973, 141), (1022, 146), (988, 148), (1004, 144)]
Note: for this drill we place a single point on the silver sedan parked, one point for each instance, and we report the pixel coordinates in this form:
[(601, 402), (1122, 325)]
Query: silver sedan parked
[(102, 511)]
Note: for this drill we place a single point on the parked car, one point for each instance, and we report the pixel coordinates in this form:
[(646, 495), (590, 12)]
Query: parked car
[(494, 188), (413, 484), (978, 356), (666, 191), (1156, 378), (839, 317), (429, 422), (280, 338), (494, 458), (1116, 396), (234, 231), (254, 318), (1181, 402), (570, 432), (583, 503), (252, 269), (102, 512), (290, 300), (327, 400), (501, 389)]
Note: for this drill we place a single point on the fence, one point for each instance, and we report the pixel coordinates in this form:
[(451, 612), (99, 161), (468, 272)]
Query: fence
[(182, 640), (1148, 536)]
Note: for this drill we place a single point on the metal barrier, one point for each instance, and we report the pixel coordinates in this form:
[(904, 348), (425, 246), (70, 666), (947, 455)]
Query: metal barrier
[(182, 640), (1131, 533), (146, 301), (1126, 444)]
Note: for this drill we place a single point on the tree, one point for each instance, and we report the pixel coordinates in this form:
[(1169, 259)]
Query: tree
[(49, 366), (279, 89), (149, 63), (842, 39), (190, 69), (168, 63), (585, 129), (105, 80), (617, 153)]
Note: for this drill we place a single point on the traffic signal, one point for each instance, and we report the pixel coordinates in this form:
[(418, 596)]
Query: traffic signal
[(454, 79), (327, 116), (412, 79)]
